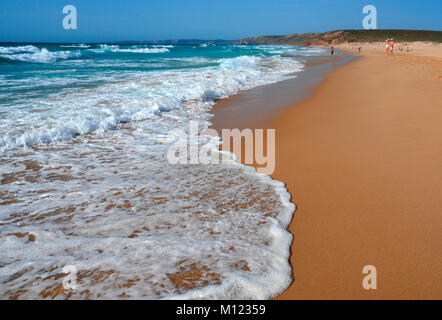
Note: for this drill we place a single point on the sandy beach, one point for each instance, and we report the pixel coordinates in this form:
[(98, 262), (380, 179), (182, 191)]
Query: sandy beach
[(261, 153), (361, 157)]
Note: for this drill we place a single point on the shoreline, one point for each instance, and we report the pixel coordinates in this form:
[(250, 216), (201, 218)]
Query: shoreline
[(343, 164), (262, 103)]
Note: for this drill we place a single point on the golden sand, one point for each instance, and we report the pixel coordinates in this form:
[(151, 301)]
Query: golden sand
[(362, 159)]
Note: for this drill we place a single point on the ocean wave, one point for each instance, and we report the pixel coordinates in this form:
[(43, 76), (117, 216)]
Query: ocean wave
[(147, 94), (11, 50), (143, 50), (127, 214), (133, 49), (163, 46), (79, 46), (40, 56)]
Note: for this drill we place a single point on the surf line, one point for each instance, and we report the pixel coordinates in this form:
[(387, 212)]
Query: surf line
[(203, 148)]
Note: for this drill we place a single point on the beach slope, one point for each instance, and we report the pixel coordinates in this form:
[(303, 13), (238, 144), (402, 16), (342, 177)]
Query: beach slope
[(363, 160)]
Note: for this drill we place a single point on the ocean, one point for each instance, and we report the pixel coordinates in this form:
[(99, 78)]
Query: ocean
[(85, 180)]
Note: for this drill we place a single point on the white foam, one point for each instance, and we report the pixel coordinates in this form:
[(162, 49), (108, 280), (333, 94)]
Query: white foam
[(105, 107), (142, 50), (81, 46), (9, 50), (41, 56), (111, 205), (184, 218), (133, 49)]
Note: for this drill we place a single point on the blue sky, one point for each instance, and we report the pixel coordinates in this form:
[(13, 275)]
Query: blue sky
[(116, 20)]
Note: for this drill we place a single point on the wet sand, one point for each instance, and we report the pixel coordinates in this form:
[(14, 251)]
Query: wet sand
[(361, 156)]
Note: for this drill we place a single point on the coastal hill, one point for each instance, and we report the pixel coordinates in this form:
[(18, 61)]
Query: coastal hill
[(343, 36)]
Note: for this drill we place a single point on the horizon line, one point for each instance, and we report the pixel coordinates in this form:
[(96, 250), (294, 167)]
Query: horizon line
[(205, 40)]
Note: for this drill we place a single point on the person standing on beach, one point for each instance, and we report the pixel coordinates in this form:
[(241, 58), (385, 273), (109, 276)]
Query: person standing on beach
[(332, 51), (387, 46), (391, 46)]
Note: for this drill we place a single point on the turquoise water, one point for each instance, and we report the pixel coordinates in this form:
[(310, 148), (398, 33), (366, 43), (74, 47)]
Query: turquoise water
[(31, 64), (85, 181), (33, 74)]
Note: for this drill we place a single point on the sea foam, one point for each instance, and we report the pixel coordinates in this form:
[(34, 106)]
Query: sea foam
[(86, 183), (105, 107), (35, 55)]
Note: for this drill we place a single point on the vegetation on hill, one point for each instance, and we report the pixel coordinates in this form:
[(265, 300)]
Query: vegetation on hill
[(341, 36)]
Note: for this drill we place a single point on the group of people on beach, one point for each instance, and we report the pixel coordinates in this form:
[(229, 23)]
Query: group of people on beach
[(389, 45)]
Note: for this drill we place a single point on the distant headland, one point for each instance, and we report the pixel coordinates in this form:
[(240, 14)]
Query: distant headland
[(343, 36)]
